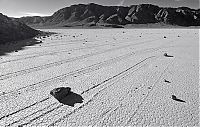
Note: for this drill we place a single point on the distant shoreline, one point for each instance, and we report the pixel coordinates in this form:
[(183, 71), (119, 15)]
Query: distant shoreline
[(131, 26)]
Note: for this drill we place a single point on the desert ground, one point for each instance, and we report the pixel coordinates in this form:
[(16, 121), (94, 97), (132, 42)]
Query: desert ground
[(118, 77)]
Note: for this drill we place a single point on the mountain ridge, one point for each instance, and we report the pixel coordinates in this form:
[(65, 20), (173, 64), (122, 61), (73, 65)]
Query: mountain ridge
[(12, 30), (93, 15)]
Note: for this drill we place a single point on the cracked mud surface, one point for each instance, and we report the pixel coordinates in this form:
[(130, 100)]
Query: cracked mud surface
[(123, 77)]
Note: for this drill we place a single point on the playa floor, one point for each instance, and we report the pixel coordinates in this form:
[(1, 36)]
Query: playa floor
[(118, 77)]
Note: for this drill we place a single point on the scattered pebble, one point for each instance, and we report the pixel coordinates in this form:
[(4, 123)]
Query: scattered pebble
[(166, 55), (176, 99), (167, 81)]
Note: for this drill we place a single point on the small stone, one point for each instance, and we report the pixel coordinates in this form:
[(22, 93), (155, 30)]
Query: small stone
[(176, 99), (165, 54), (167, 81)]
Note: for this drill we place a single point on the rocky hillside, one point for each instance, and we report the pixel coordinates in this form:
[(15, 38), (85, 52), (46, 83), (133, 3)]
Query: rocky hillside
[(93, 14), (12, 30)]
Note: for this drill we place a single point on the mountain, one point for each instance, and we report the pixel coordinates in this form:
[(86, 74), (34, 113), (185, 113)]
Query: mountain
[(12, 30), (94, 14)]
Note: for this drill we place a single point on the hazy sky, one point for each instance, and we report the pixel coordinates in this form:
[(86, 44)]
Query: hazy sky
[(17, 8)]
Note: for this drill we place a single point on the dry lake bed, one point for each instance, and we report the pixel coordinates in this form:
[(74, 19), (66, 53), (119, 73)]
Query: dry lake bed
[(118, 77)]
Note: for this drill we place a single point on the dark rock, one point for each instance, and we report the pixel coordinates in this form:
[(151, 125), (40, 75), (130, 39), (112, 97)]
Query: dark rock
[(176, 99), (167, 81), (60, 93), (166, 55)]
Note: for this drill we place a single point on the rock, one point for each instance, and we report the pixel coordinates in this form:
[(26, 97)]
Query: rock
[(167, 81), (173, 97), (176, 99), (60, 93), (166, 55)]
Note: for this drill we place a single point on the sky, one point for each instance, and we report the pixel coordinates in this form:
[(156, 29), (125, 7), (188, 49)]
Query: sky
[(19, 8)]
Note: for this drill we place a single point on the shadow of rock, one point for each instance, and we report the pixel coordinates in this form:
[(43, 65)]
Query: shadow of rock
[(71, 99)]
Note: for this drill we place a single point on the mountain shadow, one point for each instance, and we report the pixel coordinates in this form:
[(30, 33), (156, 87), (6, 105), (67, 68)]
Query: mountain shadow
[(11, 34), (16, 46)]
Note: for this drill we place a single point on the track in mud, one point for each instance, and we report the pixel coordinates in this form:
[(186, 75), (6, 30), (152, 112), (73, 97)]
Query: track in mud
[(58, 63), (43, 110), (101, 86)]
